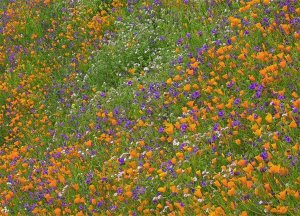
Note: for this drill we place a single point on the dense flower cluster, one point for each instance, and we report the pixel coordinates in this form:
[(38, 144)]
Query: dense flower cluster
[(149, 107)]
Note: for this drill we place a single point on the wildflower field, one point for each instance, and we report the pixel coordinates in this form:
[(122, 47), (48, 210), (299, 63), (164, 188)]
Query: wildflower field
[(149, 107)]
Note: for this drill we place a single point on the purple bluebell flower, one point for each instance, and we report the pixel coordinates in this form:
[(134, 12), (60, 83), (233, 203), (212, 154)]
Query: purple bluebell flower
[(216, 126), (237, 101), (180, 41), (287, 139), (264, 155), (161, 129), (188, 35), (195, 95), (252, 86), (183, 127), (221, 113), (121, 161), (180, 59)]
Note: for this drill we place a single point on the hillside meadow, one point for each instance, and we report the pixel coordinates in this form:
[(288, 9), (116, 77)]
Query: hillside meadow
[(149, 107)]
